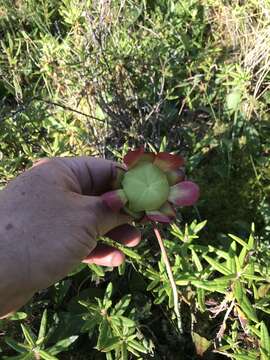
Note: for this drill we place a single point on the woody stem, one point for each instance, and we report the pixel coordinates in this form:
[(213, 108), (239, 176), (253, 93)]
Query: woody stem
[(171, 278)]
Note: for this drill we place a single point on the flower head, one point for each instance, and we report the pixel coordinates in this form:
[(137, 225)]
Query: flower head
[(151, 186)]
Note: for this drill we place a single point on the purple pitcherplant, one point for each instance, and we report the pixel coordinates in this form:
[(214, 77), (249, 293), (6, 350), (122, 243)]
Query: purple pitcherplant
[(151, 186)]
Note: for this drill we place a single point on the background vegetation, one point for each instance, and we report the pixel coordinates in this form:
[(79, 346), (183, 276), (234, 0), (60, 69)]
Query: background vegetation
[(192, 77)]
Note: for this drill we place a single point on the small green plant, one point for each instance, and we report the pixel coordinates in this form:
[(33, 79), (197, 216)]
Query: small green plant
[(34, 346), (118, 332)]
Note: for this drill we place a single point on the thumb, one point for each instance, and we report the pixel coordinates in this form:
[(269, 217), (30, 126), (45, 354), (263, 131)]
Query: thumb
[(101, 218)]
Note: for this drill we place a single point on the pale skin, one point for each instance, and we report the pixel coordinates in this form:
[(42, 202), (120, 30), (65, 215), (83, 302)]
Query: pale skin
[(50, 219)]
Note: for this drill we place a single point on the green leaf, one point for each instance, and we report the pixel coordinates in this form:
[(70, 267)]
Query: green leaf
[(240, 241), (16, 346), (243, 301), (200, 226), (44, 355), (29, 336), (42, 328), (265, 342), (18, 316), (137, 346), (184, 281), (217, 266), (133, 351), (104, 334), (124, 351), (98, 270), (108, 293), (251, 241), (109, 356), (159, 299), (230, 263), (111, 344), (263, 290), (122, 305), (122, 321), (242, 256), (131, 253), (201, 299), (210, 286), (153, 284), (196, 260), (61, 288), (244, 356), (62, 345)]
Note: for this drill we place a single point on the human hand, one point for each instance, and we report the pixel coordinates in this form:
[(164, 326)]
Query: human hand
[(50, 219)]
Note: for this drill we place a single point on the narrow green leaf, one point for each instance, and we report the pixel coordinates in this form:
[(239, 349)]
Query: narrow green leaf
[(109, 356), (200, 226), (254, 329), (265, 342), (108, 292), (131, 253), (42, 328), (201, 299), (97, 269), (244, 356), (122, 305), (16, 346), (111, 344), (170, 296), (29, 337), (44, 355), (243, 301), (242, 256), (210, 286), (158, 300), (240, 241), (251, 242), (230, 263), (263, 290), (226, 279), (196, 260), (124, 351), (18, 316), (122, 321), (104, 334), (153, 284), (217, 266), (62, 345), (185, 280), (137, 346), (133, 351)]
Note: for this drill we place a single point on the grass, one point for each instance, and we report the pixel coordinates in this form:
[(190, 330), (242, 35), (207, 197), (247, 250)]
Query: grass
[(98, 78)]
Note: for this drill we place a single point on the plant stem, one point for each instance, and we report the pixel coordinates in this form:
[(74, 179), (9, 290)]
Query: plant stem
[(171, 278)]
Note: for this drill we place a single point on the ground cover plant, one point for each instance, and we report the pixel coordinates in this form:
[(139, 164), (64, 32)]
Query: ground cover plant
[(191, 78)]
